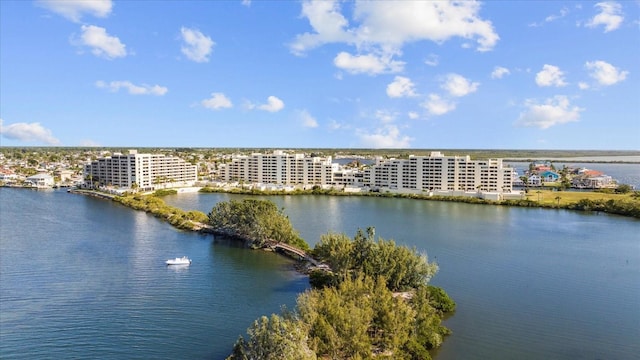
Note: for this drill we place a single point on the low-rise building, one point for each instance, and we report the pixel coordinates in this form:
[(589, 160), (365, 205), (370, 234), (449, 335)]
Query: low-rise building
[(534, 180), (593, 182), (42, 180), (549, 176)]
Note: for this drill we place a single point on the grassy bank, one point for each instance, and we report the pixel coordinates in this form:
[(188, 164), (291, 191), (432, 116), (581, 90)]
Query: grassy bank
[(565, 198)]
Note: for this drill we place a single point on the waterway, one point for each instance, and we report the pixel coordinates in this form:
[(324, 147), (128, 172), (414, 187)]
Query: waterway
[(85, 278)]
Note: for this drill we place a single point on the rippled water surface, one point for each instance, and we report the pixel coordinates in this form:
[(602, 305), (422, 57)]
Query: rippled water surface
[(85, 278)]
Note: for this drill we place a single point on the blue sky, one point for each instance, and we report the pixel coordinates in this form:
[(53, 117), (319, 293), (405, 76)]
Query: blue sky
[(321, 74)]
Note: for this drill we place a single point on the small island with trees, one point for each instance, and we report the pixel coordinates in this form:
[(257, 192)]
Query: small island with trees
[(369, 298)]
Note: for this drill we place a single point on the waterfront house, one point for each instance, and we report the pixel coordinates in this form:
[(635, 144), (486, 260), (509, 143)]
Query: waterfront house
[(534, 180), (549, 176), (40, 181), (593, 182)]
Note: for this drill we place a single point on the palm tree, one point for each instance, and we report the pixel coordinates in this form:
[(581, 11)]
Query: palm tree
[(525, 181), (539, 194), (558, 199)]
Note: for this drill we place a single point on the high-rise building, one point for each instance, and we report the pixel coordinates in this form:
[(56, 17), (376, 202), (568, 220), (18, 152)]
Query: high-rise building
[(439, 172), (144, 172), (416, 174), (279, 168)]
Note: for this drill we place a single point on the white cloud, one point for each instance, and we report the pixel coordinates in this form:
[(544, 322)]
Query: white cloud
[(553, 17), (334, 125), (563, 12), (246, 3), (610, 16), (31, 132), (583, 85), (75, 9), (367, 64), (550, 76), (143, 89), (197, 46), (605, 73), (380, 29), (101, 43), (401, 87), (385, 116), (499, 72), (432, 60), (553, 111), (436, 105), (458, 86), (217, 101), (273, 104), (327, 22), (390, 24), (385, 138), (413, 115), (306, 119)]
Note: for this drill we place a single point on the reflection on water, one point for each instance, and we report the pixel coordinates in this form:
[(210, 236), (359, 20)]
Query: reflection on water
[(98, 287), (529, 283), (178, 268)]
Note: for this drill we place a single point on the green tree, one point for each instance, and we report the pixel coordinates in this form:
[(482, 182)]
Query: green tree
[(339, 319), (274, 338), (258, 221), (336, 250), (624, 189), (402, 267)]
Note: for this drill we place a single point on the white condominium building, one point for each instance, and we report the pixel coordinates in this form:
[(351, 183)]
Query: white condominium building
[(439, 172), (279, 168), (142, 171), (416, 174)]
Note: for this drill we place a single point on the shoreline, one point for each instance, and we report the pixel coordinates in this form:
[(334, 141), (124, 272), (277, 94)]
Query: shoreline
[(585, 201)]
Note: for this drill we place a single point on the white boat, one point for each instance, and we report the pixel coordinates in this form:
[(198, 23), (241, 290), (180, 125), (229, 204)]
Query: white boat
[(179, 261)]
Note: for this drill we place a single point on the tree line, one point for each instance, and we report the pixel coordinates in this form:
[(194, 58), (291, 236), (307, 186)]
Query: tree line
[(154, 205), (257, 221)]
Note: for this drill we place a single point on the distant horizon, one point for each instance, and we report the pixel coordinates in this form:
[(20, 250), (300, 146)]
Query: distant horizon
[(353, 74), (133, 147), (573, 156)]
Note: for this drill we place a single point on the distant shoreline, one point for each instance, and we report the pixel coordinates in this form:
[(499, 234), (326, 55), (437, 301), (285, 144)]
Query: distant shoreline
[(631, 159)]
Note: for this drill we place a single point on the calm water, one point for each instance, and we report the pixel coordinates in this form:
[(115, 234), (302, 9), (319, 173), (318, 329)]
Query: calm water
[(84, 278)]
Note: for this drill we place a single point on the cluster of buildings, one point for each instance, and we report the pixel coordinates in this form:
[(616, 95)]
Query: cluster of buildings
[(577, 178), (433, 174), (46, 175)]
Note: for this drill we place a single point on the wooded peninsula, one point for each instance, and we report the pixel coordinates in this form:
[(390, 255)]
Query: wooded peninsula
[(370, 299)]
